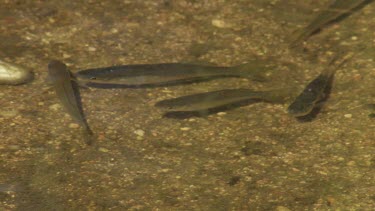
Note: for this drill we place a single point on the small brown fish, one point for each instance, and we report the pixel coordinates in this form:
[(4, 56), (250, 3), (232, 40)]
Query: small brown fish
[(67, 92), (337, 9)]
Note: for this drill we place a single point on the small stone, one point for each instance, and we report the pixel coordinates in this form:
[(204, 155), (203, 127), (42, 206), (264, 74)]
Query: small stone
[(102, 149), (219, 23), (66, 56), (165, 170), (12, 74), (348, 116), (185, 128), (340, 159), (139, 132), (221, 113), (73, 125), (91, 48), (54, 107)]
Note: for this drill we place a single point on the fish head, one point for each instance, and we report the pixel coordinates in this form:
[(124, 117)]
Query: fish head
[(301, 107), (56, 70), (83, 74)]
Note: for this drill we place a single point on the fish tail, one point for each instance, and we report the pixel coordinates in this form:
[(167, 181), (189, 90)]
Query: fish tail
[(88, 135), (338, 61), (281, 95), (251, 71), (298, 37)]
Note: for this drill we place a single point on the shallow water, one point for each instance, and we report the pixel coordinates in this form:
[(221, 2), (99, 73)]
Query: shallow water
[(254, 157)]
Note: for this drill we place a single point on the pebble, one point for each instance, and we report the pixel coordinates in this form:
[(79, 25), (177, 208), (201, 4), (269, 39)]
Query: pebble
[(185, 128), (220, 23), (12, 74), (139, 132), (348, 116), (55, 107), (73, 125), (102, 149), (91, 48)]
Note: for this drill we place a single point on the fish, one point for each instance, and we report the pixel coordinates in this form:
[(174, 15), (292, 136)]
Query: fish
[(170, 73), (315, 91), (335, 10), (220, 98), (67, 91)]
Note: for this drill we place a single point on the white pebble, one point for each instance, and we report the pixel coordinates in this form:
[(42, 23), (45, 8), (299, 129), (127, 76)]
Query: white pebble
[(139, 132), (219, 23), (73, 125), (55, 107), (348, 116), (91, 48), (13, 74), (221, 113)]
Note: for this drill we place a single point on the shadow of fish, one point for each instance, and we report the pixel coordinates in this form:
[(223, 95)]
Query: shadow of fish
[(67, 91), (338, 9), (317, 90), (220, 98), (170, 73)]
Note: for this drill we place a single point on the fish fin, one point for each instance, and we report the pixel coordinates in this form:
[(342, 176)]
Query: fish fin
[(82, 84), (88, 136), (203, 113), (253, 71)]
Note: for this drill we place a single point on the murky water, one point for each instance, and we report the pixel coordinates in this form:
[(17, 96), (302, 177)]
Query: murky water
[(249, 157)]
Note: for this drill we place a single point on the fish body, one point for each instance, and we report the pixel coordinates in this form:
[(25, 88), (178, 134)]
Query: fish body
[(316, 90), (336, 10), (215, 99), (313, 93), (165, 73), (62, 81)]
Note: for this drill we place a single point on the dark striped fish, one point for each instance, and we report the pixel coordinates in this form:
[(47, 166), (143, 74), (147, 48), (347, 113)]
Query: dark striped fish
[(315, 91), (215, 99), (167, 73)]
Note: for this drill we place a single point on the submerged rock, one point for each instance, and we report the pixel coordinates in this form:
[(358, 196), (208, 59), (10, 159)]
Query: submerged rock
[(12, 74)]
